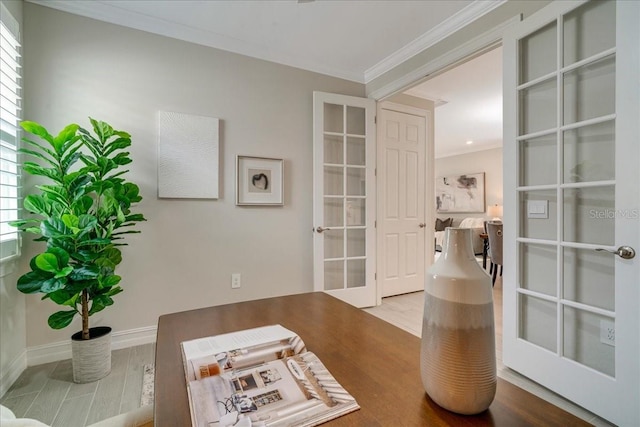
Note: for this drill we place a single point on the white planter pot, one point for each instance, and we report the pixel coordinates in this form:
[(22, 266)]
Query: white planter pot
[(458, 353), (91, 359)]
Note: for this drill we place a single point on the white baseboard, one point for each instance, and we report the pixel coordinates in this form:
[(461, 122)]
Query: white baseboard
[(62, 350), (11, 374)]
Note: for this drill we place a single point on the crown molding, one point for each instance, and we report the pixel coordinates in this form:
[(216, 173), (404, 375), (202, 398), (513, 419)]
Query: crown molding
[(113, 14), (485, 41), (456, 22)]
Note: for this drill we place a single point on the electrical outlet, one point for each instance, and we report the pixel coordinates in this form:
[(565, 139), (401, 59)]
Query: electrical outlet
[(235, 280), (608, 332)]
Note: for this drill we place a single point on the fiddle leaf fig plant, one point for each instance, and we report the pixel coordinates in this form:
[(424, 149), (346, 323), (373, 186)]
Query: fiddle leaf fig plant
[(83, 212)]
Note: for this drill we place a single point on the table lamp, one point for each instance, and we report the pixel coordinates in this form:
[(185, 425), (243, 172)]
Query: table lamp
[(495, 211)]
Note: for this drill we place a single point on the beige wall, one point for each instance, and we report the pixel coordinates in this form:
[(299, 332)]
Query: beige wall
[(487, 161), (12, 303), (76, 67)]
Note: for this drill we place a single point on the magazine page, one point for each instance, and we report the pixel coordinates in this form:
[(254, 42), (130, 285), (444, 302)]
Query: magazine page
[(262, 383)]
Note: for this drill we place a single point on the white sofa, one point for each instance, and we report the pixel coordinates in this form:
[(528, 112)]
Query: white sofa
[(476, 224), (141, 417)]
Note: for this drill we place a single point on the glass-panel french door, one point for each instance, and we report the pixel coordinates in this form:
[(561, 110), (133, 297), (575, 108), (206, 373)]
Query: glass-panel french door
[(571, 283), (344, 197)]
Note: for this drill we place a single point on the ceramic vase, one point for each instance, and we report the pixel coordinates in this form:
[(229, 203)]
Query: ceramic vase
[(458, 353)]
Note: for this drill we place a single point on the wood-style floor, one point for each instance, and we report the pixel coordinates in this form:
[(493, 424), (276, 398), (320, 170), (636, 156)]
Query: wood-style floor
[(48, 394), (405, 312)]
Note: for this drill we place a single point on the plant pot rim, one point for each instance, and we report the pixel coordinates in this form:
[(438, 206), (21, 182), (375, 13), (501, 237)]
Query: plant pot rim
[(95, 332)]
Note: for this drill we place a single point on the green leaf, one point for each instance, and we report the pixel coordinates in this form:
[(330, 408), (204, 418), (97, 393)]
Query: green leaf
[(38, 155), (61, 254), (42, 148), (53, 284), (47, 262), (117, 144), (65, 137), (36, 169), (63, 297), (30, 283), (61, 319), (111, 257), (36, 204), (100, 302), (37, 129), (110, 281), (55, 228), (63, 272), (72, 222), (88, 272)]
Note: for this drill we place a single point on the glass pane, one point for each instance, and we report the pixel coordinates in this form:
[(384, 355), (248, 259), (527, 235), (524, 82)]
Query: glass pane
[(589, 153), (356, 151), (356, 242), (589, 277), (355, 121), (538, 53), (538, 322), (589, 215), (333, 118), (333, 149), (356, 212), (589, 91), (333, 275), (588, 30), (333, 180), (538, 107), (356, 181), (583, 340), (539, 267), (356, 277), (533, 222), (333, 212), (538, 160), (333, 243)]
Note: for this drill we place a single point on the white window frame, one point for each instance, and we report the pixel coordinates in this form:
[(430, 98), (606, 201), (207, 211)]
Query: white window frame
[(10, 117)]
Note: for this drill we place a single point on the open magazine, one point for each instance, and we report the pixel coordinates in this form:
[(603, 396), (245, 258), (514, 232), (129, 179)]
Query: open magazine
[(260, 377)]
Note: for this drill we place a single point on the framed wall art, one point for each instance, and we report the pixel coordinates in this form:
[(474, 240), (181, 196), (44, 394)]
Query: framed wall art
[(460, 193), (259, 181), (188, 156)]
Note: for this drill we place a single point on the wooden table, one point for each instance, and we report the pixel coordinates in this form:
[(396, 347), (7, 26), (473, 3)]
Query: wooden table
[(375, 361)]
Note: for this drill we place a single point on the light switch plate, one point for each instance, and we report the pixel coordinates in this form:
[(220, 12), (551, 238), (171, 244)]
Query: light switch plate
[(538, 209)]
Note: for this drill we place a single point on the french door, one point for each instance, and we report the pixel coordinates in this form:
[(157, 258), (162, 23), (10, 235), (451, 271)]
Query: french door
[(571, 167), (344, 203)]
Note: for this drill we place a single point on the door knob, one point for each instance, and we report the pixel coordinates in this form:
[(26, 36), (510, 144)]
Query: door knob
[(321, 229), (422, 225), (624, 252)]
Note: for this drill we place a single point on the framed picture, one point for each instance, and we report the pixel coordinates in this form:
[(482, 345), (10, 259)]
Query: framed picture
[(259, 181), (460, 193)]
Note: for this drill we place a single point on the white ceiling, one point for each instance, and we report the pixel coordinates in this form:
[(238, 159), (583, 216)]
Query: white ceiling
[(355, 40), (473, 109)]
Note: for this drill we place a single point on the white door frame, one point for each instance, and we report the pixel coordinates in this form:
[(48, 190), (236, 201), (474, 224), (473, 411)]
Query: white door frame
[(429, 193)]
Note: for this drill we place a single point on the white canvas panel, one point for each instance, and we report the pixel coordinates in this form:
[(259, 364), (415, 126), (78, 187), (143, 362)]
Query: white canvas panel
[(188, 152)]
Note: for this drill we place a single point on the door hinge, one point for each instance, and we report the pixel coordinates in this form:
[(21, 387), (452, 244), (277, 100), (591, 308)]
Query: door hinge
[(375, 120), (375, 224), (375, 276), (375, 172)]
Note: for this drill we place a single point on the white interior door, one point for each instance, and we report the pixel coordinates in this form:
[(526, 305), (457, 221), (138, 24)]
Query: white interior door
[(571, 173), (401, 178), (344, 201)]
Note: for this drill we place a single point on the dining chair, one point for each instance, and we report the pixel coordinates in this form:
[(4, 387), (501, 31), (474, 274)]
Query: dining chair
[(494, 230)]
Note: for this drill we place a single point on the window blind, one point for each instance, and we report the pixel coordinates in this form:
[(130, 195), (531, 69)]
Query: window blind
[(10, 115)]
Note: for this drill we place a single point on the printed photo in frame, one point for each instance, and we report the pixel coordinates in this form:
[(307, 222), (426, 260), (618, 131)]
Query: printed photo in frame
[(259, 181), (460, 193)]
